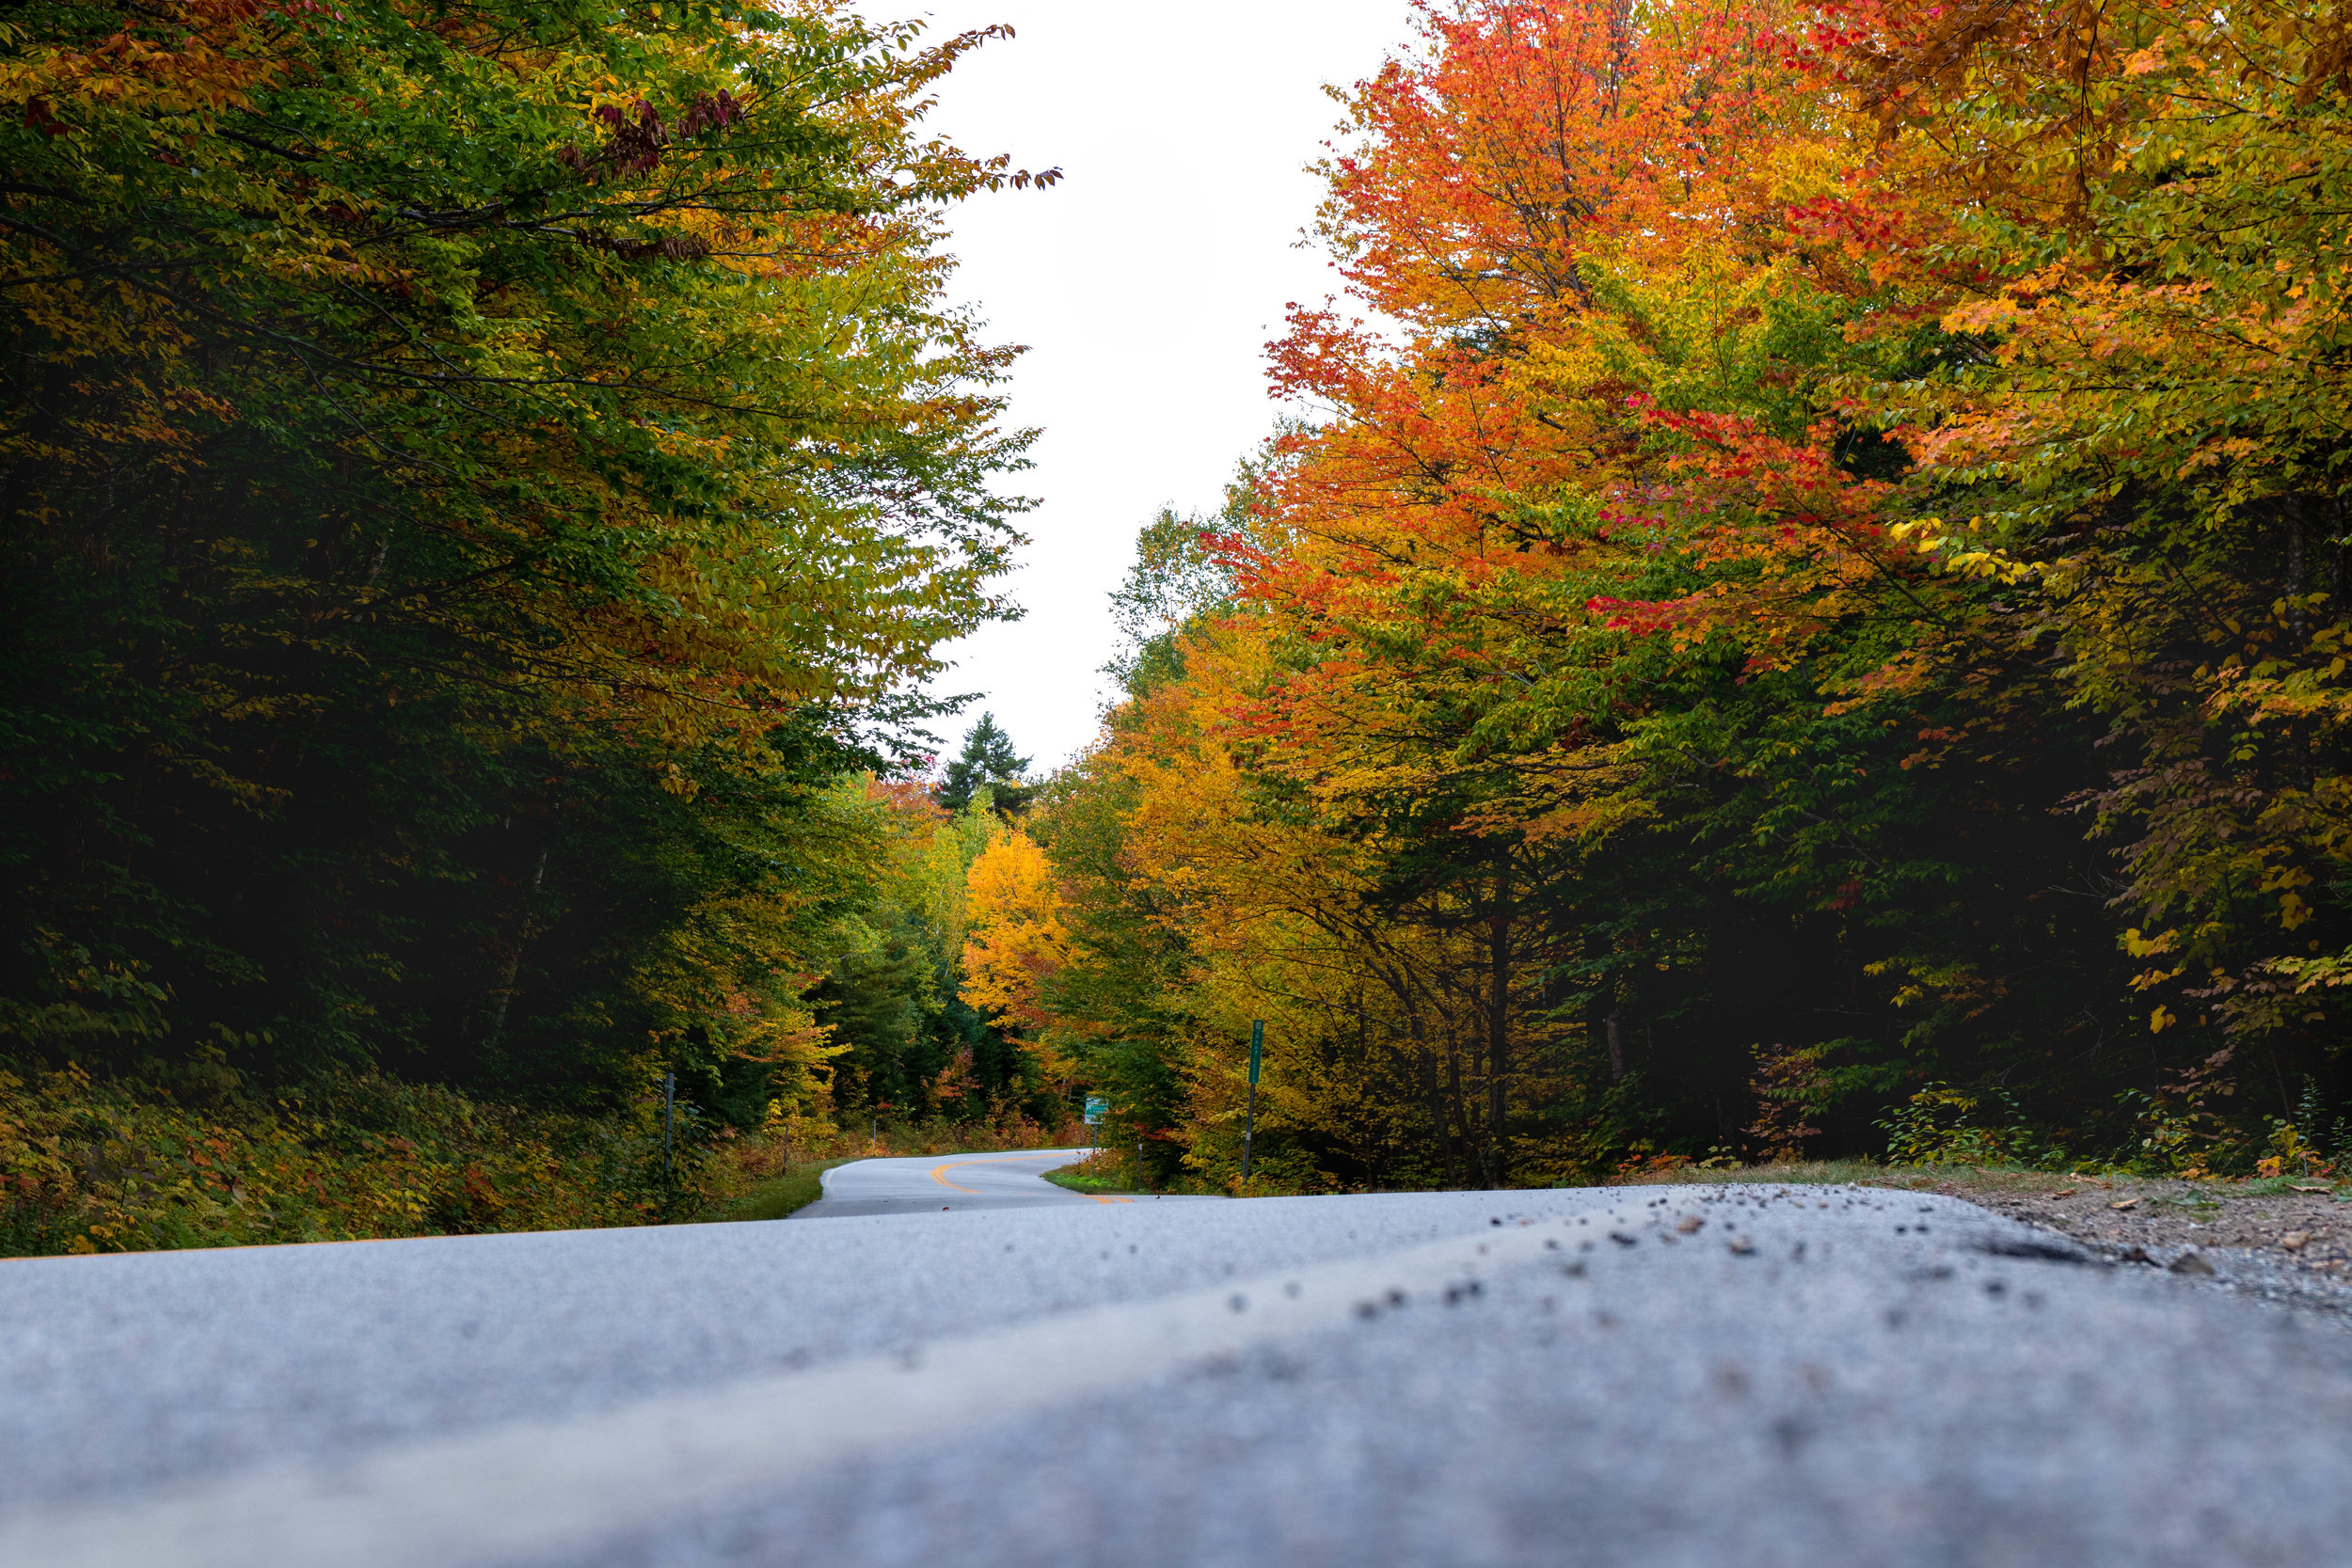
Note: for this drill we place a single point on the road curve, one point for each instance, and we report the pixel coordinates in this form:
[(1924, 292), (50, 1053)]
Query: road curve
[(936, 1183), (1662, 1377)]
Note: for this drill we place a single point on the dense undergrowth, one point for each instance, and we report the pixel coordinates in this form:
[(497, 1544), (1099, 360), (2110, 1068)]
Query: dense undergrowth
[(201, 1160), (113, 1166)]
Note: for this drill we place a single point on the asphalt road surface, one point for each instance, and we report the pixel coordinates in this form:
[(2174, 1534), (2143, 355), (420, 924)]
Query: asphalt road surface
[(1656, 1376), (934, 1183)]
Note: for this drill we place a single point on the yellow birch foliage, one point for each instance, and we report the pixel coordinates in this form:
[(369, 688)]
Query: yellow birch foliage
[(1015, 942)]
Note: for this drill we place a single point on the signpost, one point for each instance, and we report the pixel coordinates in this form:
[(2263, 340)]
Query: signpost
[(1250, 1125)]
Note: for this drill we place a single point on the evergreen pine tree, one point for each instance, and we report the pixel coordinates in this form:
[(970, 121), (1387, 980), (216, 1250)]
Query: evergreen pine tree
[(986, 759)]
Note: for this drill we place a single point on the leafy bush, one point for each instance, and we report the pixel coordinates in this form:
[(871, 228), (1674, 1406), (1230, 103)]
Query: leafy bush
[(1945, 1125), (129, 1167)]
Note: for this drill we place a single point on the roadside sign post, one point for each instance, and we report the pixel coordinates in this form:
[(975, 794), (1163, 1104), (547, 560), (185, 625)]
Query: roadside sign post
[(1249, 1122)]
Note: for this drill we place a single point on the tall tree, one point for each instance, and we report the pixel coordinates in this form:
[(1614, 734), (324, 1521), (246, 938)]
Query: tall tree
[(986, 761)]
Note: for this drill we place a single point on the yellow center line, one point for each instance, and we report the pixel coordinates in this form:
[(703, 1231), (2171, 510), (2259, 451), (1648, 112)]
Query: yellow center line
[(939, 1173)]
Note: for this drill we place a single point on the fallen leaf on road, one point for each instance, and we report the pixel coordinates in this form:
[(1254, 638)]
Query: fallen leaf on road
[(1690, 1223), (2296, 1241), (2189, 1263), (2064, 1191), (2126, 1203), (2318, 1189), (1741, 1246)]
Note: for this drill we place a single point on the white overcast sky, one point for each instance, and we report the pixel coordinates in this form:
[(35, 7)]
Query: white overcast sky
[(1145, 285)]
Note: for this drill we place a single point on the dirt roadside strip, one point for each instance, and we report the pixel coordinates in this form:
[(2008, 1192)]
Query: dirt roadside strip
[(2283, 1240), (2284, 1245)]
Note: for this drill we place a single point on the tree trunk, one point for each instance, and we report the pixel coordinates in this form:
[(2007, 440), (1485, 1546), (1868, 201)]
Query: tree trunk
[(1498, 1031), (1467, 1134), (2300, 510), (515, 958), (1600, 1006), (2294, 511), (1440, 1122), (2335, 559)]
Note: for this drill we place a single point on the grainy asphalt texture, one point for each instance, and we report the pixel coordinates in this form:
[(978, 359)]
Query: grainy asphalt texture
[(1654, 1376)]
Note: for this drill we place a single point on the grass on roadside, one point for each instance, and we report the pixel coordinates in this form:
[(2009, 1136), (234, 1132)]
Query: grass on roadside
[(778, 1197), (1105, 1173), (1099, 1185)]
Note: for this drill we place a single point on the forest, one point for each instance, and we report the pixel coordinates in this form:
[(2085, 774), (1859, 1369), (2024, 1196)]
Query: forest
[(1803, 616), (484, 486), (1796, 609)]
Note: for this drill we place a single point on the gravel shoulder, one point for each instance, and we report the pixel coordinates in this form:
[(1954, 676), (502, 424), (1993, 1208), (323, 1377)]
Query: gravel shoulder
[(2287, 1242), (2290, 1247)]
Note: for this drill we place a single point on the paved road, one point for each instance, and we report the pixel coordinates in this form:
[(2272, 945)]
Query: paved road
[(1668, 1377), (936, 1183)]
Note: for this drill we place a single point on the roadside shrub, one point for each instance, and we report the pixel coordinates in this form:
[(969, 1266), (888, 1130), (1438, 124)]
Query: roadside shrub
[(1946, 1126), (89, 1166)]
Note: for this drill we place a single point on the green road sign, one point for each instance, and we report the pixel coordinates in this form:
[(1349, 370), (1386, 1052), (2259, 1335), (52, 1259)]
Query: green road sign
[(1257, 1047), (1097, 1107)]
